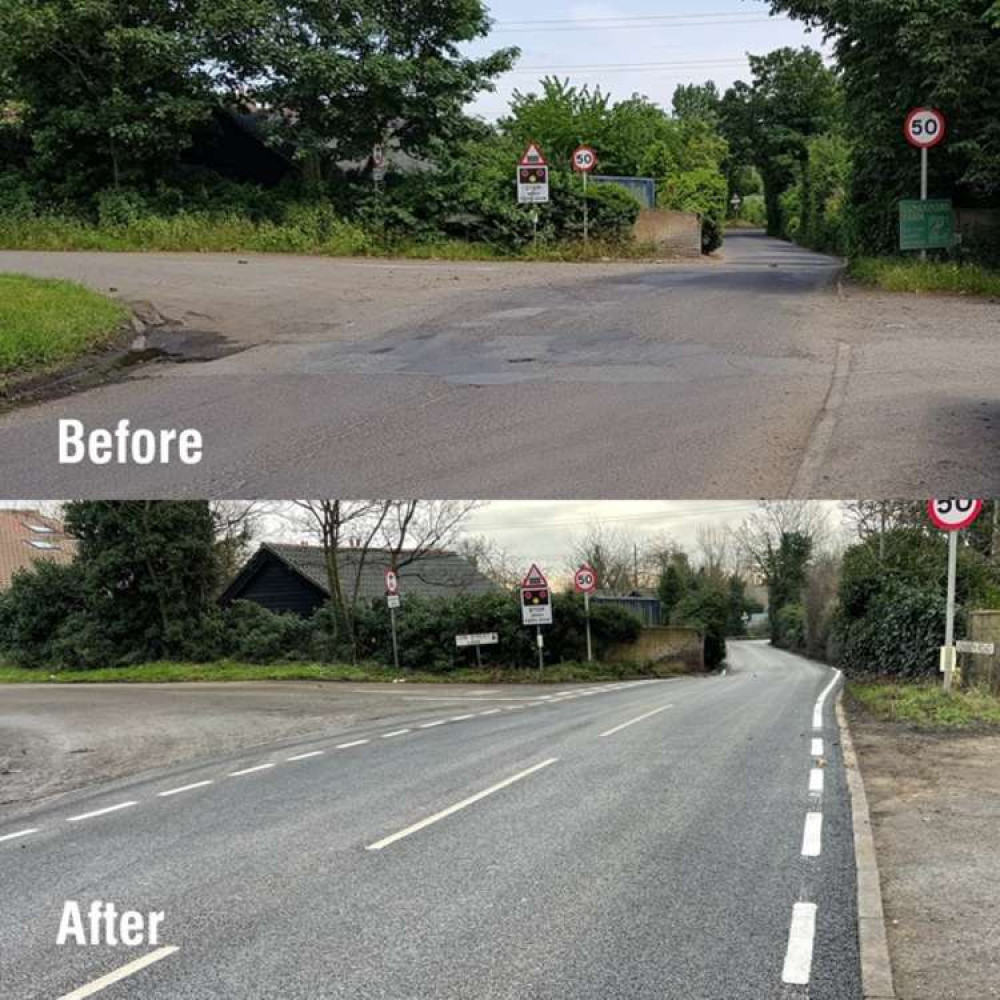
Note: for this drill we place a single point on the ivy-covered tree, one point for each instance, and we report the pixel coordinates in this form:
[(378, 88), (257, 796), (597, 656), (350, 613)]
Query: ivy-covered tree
[(894, 56)]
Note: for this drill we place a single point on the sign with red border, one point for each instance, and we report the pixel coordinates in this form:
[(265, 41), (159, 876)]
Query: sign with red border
[(954, 514), (391, 582), (925, 128), (584, 159), (585, 580)]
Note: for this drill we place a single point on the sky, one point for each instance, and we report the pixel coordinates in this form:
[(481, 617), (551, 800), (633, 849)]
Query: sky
[(637, 46)]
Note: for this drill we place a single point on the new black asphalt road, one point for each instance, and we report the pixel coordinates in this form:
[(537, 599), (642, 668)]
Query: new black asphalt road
[(685, 839), (752, 375)]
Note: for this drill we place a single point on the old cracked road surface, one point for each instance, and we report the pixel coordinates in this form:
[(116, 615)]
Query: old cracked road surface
[(686, 839), (756, 374)]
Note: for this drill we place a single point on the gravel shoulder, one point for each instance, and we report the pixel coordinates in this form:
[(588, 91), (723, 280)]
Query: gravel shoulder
[(935, 807), (56, 739)]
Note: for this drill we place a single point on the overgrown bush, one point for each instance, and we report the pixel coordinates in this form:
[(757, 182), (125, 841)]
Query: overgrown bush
[(790, 627), (707, 608)]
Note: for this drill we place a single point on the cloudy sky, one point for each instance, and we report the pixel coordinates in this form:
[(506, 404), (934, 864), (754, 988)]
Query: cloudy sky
[(633, 46)]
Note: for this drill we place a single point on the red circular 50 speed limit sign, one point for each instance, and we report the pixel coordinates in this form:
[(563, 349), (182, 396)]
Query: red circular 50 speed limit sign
[(954, 515), (925, 127), (585, 580), (584, 159)]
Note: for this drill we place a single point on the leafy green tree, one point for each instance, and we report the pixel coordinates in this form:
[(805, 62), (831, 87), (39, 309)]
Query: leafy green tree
[(348, 76), (705, 606), (768, 123), (697, 101), (108, 92), (895, 56)]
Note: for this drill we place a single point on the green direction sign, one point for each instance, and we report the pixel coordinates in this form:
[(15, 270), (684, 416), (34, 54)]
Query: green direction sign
[(926, 225)]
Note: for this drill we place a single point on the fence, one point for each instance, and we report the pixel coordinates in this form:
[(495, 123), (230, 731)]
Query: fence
[(979, 670), (647, 609)]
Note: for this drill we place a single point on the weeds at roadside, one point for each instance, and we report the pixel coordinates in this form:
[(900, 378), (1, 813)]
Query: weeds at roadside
[(927, 706)]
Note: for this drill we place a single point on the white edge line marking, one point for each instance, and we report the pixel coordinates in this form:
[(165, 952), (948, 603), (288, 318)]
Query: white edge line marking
[(126, 970), (302, 756), (816, 780), (101, 812), (798, 958), (812, 835), (821, 700), (817, 747), (462, 718), (632, 722), (353, 743), (395, 732), (431, 725), (183, 788), (392, 838), (20, 833), (250, 770)]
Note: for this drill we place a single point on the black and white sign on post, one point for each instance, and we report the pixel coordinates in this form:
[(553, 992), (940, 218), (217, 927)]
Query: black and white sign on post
[(477, 640), (536, 607), (392, 600), (924, 129), (952, 515), (585, 582)]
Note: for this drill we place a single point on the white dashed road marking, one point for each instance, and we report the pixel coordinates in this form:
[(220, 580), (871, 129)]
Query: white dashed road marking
[(123, 973), (812, 835), (431, 725), (817, 747), (464, 804), (250, 770), (816, 780), (303, 756), (101, 812), (183, 788), (353, 743), (395, 732), (20, 833), (632, 722), (798, 958)]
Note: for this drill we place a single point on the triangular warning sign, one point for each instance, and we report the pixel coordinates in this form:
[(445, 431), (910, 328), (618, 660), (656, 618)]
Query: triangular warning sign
[(535, 578), (533, 157)]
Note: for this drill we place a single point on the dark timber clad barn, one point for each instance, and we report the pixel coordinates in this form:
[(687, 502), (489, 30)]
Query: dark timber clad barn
[(292, 578)]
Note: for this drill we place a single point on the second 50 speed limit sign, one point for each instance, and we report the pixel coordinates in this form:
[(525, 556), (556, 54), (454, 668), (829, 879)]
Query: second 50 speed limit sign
[(925, 127), (954, 514)]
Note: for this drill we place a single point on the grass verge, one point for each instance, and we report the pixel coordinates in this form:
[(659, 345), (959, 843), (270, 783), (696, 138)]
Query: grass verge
[(194, 232), (926, 706), (911, 275), (44, 323), (170, 672)]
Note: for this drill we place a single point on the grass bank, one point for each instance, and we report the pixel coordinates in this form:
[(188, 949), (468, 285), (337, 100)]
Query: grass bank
[(926, 706), (193, 232), (913, 275), (45, 323), (169, 672)]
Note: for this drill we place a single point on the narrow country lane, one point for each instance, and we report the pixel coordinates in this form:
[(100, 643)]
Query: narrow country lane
[(652, 839)]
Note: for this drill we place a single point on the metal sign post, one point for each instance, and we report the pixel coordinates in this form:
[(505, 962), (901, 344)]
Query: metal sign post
[(477, 641), (392, 600), (541, 651), (924, 129), (585, 582), (952, 516), (536, 607), (584, 161)]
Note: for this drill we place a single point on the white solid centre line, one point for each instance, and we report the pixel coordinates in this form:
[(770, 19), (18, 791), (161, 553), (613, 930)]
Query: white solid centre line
[(816, 780), (101, 812), (462, 718), (812, 835), (798, 958), (632, 722), (20, 833), (113, 977), (250, 770), (431, 725), (386, 841), (303, 756), (817, 746), (395, 732), (353, 743), (183, 788), (821, 700)]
